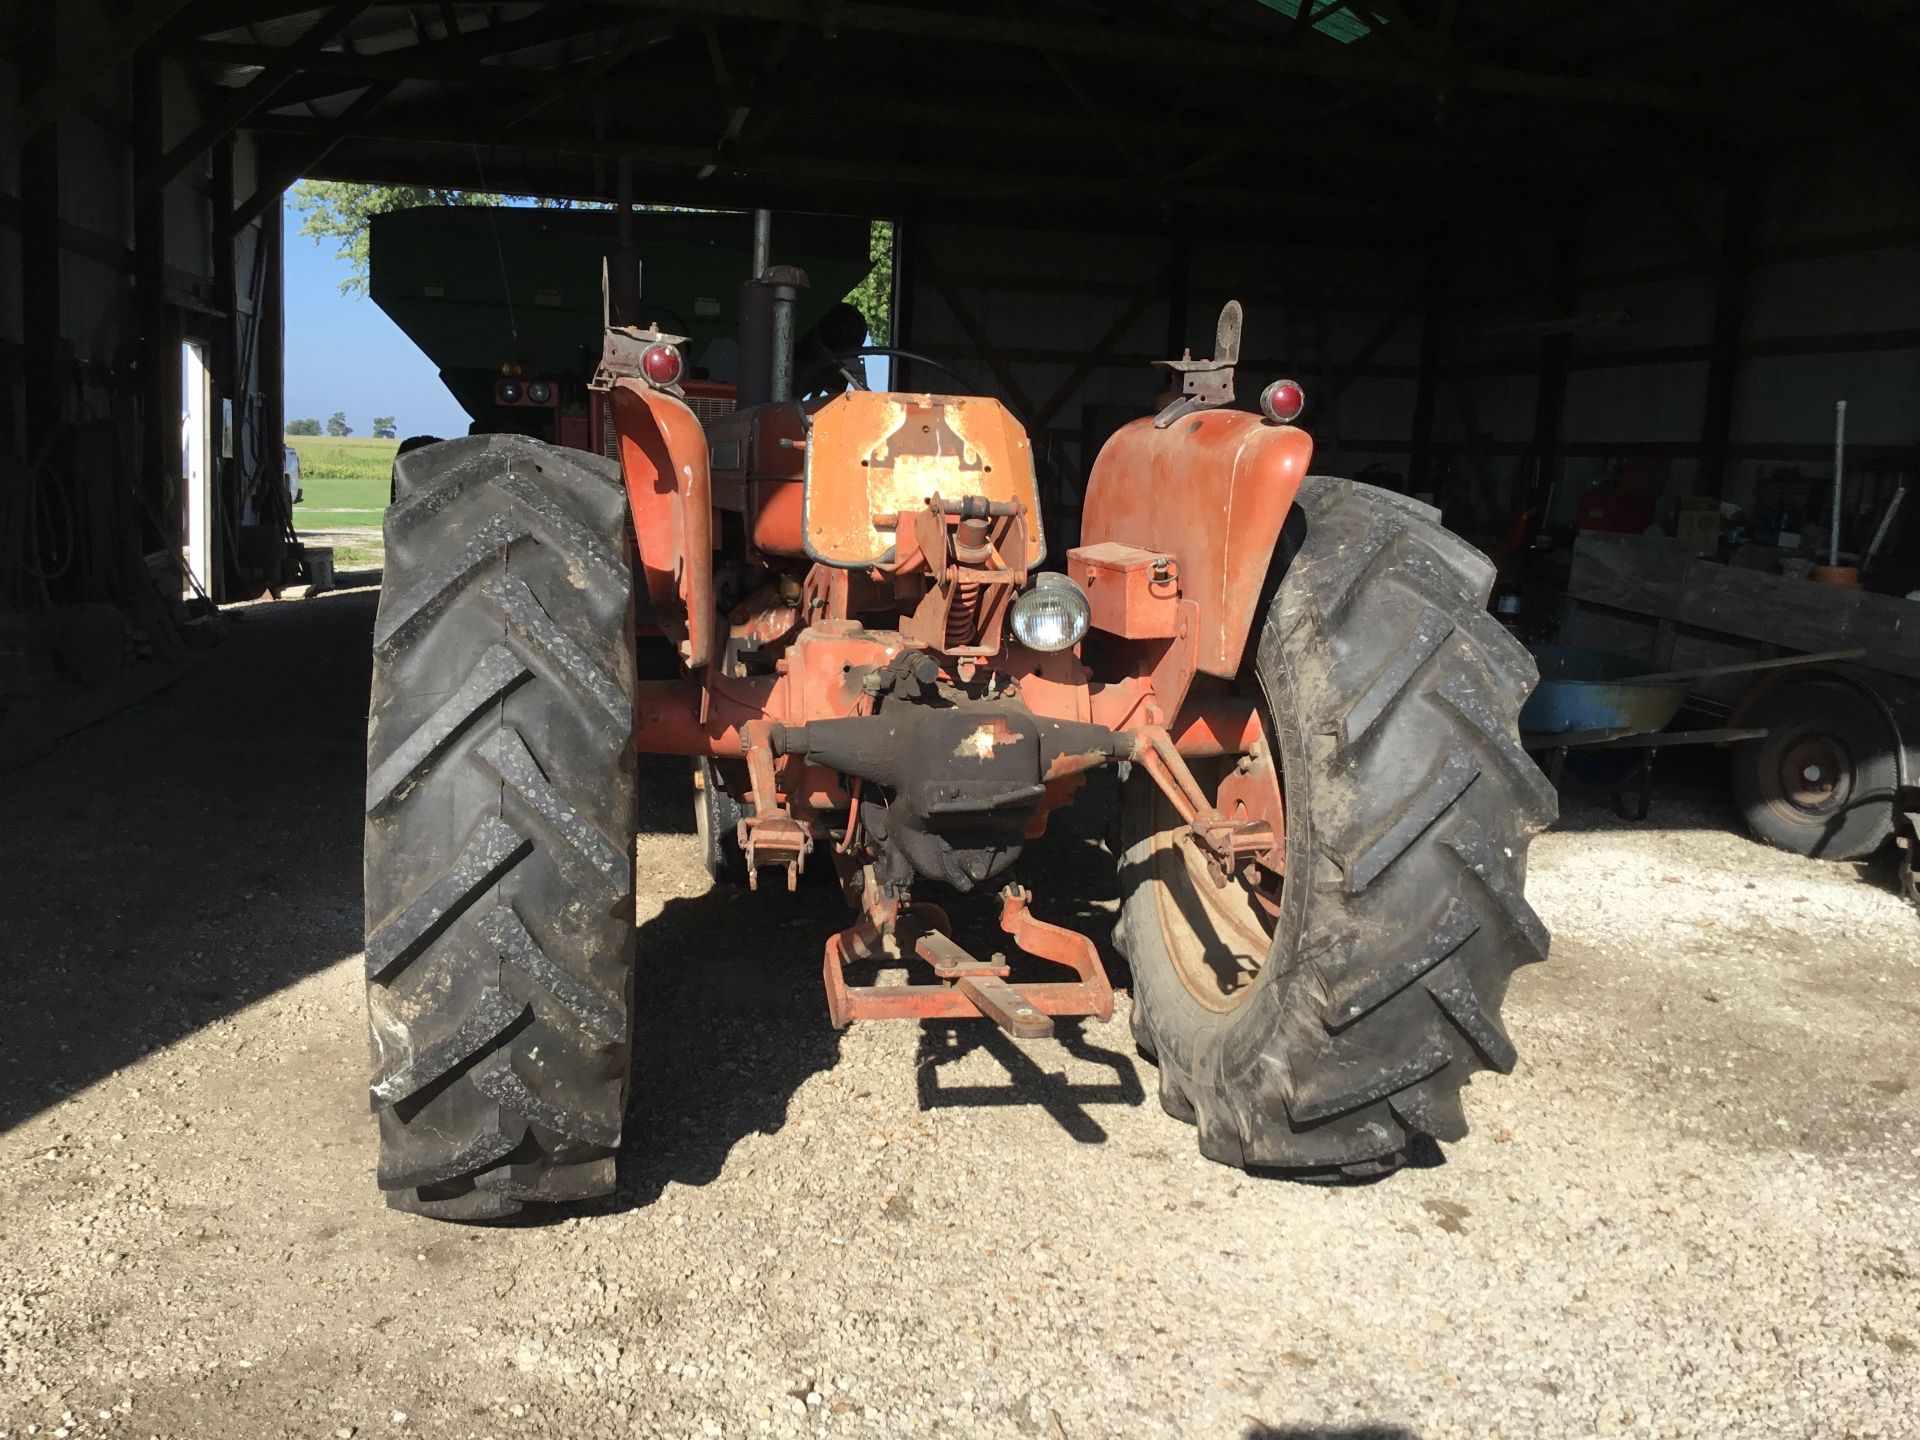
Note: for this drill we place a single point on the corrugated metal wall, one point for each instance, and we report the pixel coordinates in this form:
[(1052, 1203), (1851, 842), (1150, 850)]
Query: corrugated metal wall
[(1065, 327), (1825, 305)]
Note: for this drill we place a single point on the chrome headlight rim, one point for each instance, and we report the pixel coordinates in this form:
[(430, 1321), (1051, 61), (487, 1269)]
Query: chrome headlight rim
[(1050, 595)]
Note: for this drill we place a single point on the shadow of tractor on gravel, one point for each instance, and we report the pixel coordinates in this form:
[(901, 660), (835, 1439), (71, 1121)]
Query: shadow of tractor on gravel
[(1029, 1081), (731, 1017)]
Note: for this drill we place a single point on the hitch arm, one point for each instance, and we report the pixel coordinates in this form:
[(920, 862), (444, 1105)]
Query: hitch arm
[(1227, 844), (770, 835)]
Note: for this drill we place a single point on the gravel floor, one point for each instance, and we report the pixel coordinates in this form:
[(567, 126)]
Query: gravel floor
[(1691, 1211)]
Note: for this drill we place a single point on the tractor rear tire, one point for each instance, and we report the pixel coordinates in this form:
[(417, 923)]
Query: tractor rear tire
[(407, 447), (1353, 1015), (499, 836)]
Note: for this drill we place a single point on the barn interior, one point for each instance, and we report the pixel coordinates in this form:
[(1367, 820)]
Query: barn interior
[(1630, 293), (1516, 254)]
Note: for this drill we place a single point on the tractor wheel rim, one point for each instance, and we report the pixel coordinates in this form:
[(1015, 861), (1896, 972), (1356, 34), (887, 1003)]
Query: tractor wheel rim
[(1217, 936)]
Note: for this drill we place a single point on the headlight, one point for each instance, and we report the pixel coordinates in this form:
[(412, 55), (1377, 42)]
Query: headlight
[(1052, 614), (539, 393)]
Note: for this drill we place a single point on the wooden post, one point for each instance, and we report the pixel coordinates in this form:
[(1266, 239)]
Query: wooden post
[(272, 340), (906, 287), (158, 476), (44, 389), (1421, 473), (1729, 324), (1556, 349), (226, 476)]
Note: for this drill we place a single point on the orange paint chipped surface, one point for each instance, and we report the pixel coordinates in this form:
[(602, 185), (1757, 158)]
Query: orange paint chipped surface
[(1210, 492), (875, 454)]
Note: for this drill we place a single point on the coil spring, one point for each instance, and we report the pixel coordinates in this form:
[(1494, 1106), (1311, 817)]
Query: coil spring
[(963, 615)]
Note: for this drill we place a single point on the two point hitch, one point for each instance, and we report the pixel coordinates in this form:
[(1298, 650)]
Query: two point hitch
[(968, 987)]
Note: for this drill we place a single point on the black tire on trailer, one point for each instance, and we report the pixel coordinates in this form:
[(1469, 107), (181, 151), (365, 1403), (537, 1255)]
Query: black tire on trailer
[(1322, 1033), (500, 822), (1824, 780)]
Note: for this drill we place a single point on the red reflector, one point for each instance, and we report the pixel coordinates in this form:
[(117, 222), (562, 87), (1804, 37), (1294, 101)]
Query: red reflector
[(661, 364), (1283, 401)]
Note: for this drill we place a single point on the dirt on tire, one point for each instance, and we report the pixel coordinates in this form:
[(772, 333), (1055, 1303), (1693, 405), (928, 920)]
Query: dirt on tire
[(1393, 696), (500, 819)]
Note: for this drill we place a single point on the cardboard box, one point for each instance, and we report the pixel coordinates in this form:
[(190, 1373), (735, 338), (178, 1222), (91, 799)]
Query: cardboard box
[(1697, 524)]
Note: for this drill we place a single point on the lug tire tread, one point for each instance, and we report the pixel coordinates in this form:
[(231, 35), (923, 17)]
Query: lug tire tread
[(1410, 807)]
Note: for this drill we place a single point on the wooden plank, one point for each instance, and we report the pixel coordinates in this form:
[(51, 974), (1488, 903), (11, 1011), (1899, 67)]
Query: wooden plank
[(1134, 360), (1748, 667), (1888, 628), (1169, 50), (1147, 290), (270, 186), (1800, 615), (1641, 574), (984, 348)]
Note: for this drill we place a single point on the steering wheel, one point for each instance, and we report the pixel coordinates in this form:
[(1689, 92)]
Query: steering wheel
[(842, 360)]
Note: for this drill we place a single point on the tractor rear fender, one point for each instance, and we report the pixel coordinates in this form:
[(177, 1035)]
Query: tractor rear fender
[(663, 455), (1208, 493)]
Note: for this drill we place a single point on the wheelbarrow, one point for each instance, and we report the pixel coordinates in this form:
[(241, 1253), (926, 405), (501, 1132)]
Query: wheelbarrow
[(1599, 700)]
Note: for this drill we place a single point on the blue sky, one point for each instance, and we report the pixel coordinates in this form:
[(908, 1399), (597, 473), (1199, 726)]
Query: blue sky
[(343, 353)]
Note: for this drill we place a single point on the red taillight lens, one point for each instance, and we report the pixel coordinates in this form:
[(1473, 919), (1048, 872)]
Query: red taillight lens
[(1283, 401), (661, 364)]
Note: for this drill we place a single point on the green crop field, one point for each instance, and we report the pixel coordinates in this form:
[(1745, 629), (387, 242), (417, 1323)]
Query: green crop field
[(346, 482)]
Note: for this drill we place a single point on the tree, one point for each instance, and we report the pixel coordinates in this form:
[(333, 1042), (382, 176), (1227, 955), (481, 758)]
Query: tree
[(303, 427), (337, 425), (384, 428), (874, 295)]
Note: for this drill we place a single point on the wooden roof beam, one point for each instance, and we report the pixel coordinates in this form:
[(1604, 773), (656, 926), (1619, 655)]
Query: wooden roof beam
[(235, 107), (1196, 49), (933, 174)]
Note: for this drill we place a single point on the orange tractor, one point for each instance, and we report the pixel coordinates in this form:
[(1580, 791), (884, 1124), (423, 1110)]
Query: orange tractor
[(885, 666)]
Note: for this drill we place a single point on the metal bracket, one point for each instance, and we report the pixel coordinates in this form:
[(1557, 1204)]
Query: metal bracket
[(620, 350), (1228, 844), (1205, 384), (769, 836)]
